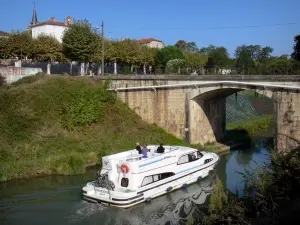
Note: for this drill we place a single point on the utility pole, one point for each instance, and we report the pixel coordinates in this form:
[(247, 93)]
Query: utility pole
[(102, 56)]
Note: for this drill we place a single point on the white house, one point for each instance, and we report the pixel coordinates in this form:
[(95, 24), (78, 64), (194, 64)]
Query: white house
[(49, 27), (151, 42)]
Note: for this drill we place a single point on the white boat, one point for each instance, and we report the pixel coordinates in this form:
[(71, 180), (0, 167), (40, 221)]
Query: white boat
[(127, 178)]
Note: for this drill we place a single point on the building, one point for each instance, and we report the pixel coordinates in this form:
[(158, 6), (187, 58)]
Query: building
[(151, 43), (3, 34), (49, 27)]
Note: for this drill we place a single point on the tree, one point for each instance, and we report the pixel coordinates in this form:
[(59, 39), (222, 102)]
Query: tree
[(195, 60), (265, 54), (244, 58), (80, 42), (4, 50), (47, 48), (147, 56), (296, 54), (181, 44), (19, 45), (192, 47), (218, 56), (168, 53)]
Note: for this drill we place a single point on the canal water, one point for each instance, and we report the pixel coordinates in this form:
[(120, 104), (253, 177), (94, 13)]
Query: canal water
[(57, 200)]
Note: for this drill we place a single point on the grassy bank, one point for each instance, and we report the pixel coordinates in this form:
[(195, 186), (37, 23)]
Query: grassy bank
[(253, 125), (61, 125)]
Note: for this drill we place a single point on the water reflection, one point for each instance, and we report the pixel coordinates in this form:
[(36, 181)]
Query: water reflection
[(57, 199), (172, 208), (239, 160)]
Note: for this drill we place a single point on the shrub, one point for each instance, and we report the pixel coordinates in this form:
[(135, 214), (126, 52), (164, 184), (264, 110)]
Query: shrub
[(69, 165), (2, 79)]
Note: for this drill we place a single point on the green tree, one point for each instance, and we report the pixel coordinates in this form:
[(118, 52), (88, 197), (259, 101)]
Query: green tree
[(147, 56), (4, 50), (47, 48), (181, 44), (195, 60), (244, 58), (168, 53), (296, 54), (19, 45), (80, 42), (218, 58), (191, 47)]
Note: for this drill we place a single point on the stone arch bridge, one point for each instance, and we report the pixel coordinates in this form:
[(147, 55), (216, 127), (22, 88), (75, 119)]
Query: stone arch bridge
[(193, 107)]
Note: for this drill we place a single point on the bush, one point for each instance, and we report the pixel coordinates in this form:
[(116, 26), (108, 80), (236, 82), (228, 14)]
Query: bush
[(2, 80), (69, 165), (85, 106)]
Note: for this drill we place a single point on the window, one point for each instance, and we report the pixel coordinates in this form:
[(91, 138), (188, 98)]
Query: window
[(157, 177), (124, 182), (199, 155), (190, 157), (208, 160), (183, 159), (166, 175), (147, 180)]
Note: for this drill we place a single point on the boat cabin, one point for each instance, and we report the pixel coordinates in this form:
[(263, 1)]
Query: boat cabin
[(129, 171)]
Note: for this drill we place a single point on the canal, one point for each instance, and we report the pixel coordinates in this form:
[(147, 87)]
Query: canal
[(57, 199)]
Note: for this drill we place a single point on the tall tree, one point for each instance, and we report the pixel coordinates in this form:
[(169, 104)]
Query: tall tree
[(181, 44), (19, 45), (218, 56), (47, 48), (244, 58), (80, 42), (296, 54), (4, 50), (168, 53), (191, 47), (195, 60)]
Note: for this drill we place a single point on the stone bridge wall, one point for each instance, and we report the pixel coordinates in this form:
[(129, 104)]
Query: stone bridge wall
[(197, 114)]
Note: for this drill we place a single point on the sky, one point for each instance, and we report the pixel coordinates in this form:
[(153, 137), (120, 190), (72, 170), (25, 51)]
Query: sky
[(227, 23)]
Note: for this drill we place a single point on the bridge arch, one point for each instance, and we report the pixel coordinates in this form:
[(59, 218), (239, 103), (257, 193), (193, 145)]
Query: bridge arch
[(207, 112), (174, 104)]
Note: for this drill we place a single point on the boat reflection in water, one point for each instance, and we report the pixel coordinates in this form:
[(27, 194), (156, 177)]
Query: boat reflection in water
[(172, 208)]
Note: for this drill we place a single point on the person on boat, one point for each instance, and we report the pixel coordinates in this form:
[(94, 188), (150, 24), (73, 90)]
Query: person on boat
[(145, 151), (138, 148), (160, 149)]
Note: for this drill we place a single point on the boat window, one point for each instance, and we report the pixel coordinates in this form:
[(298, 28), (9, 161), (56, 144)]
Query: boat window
[(166, 175), (208, 160), (124, 182), (183, 159), (199, 155), (189, 157), (147, 180), (157, 177)]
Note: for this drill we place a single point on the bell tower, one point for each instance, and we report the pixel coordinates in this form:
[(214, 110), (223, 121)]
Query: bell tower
[(34, 16)]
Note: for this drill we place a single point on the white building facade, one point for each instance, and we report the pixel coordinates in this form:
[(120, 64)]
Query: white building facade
[(50, 28), (151, 43)]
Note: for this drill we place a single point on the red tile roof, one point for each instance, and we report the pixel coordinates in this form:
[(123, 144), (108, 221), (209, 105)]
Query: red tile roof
[(147, 40), (50, 22)]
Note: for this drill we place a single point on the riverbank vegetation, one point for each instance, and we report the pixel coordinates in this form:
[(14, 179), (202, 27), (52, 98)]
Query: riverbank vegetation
[(61, 125), (253, 125), (271, 196)]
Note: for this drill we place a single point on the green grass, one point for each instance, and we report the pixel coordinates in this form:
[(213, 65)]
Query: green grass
[(253, 125), (61, 125)]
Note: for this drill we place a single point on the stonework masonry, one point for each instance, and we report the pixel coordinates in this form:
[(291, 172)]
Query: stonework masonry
[(197, 113)]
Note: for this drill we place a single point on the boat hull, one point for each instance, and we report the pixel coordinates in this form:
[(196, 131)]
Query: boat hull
[(182, 181)]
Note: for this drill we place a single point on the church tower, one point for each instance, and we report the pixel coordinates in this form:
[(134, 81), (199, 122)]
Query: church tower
[(34, 16)]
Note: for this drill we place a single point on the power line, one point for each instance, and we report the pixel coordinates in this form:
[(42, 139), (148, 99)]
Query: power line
[(216, 28)]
